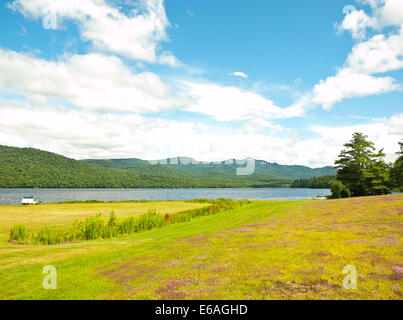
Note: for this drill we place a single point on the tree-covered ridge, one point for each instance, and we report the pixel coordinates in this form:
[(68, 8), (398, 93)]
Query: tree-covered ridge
[(263, 169), (29, 168), (323, 182)]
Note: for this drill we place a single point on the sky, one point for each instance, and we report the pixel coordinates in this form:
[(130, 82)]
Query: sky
[(283, 81)]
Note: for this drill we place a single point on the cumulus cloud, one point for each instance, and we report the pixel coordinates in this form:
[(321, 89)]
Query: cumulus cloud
[(379, 54), (384, 13), (80, 81), (356, 21), (169, 59), (349, 84), (225, 103), (238, 74), (135, 35)]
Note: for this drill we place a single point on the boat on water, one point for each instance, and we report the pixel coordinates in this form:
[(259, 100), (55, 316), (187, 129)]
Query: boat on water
[(28, 200), (319, 198)]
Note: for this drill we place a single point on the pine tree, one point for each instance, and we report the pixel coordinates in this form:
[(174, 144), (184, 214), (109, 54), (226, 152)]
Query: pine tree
[(397, 170), (362, 171), (377, 178)]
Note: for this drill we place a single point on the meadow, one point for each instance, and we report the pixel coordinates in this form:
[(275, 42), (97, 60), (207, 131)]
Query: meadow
[(263, 250), (60, 215)]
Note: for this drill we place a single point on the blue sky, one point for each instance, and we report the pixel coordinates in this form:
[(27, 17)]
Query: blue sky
[(284, 81)]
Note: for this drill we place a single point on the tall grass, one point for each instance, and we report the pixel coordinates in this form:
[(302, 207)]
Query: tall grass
[(98, 228), (19, 233)]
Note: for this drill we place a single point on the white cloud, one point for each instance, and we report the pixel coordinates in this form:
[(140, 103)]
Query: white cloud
[(169, 59), (135, 35), (92, 82), (80, 81), (350, 84), (356, 21), (259, 125), (238, 74), (86, 135), (93, 135), (231, 103), (384, 13), (396, 125), (377, 55)]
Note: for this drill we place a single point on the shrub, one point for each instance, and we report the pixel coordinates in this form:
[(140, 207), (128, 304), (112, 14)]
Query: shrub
[(94, 227), (97, 228), (51, 236), (112, 219), (19, 232), (339, 190), (150, 221), (128, 225)]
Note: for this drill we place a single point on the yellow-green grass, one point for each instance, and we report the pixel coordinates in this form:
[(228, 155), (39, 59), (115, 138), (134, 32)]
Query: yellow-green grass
[(266, 250), (59, 215)]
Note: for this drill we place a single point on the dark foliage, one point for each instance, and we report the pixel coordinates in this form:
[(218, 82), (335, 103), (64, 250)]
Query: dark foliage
[(323, 182), (361, 170)]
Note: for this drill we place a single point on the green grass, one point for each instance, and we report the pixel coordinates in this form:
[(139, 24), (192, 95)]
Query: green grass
[(265, 250)]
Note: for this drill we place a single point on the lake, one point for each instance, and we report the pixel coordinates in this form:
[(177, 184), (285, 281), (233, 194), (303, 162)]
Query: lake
[(14, 196)]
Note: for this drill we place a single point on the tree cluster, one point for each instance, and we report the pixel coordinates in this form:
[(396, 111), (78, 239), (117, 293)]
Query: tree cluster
[(362, 171), (323, 182)]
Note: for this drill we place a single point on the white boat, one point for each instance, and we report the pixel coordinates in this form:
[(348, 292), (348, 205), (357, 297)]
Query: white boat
[(319, 198), (28, 200)]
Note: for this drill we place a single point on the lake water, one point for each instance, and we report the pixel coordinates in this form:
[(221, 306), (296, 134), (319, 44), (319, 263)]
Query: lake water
[(14, 196)]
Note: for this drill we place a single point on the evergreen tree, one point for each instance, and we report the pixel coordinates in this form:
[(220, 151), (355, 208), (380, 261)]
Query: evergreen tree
[(360, 170), (397, 170), (377, 177)]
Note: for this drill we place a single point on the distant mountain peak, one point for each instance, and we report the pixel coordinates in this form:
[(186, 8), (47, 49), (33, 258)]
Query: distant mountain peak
[(188, 160)]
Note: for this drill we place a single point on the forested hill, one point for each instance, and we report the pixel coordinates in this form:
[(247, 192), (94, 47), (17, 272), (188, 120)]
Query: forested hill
[(181, 166), (28, 167)]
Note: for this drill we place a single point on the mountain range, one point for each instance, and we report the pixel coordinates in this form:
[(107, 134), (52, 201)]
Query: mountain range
[(29, 167), (181, 165)]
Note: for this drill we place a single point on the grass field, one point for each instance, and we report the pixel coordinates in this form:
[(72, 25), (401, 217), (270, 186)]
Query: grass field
[(59, 215), (265, 250)]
